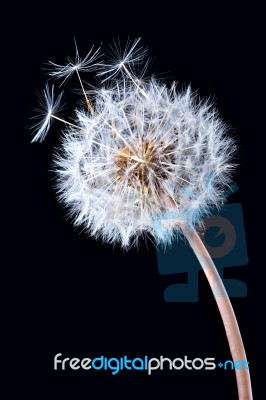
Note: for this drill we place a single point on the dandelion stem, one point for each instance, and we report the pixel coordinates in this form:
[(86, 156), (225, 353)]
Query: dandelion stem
[(226, 311)]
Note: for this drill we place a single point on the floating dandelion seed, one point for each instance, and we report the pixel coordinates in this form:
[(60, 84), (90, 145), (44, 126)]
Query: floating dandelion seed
[(49, 106), (122, 60), (87, 64), (137, 151)]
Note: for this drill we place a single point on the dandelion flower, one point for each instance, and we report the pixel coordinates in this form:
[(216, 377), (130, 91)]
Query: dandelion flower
[(138, 151), (116, 169)]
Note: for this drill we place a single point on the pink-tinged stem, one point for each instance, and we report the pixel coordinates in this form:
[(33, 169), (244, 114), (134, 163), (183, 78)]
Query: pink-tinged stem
[(226, 310)]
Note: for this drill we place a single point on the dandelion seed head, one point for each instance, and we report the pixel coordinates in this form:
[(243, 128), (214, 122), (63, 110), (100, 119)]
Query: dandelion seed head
[(145, 149)]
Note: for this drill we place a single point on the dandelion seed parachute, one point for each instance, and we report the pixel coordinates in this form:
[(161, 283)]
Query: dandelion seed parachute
[(50, 105), (84, 65)]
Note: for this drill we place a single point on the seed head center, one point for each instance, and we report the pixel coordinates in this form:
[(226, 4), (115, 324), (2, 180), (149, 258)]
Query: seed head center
[(141, 167)]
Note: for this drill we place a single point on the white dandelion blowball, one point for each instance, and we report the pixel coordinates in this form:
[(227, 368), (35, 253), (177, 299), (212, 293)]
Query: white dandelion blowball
[(136, 150)]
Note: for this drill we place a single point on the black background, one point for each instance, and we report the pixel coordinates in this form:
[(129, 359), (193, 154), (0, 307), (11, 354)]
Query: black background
[(73, 295)]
